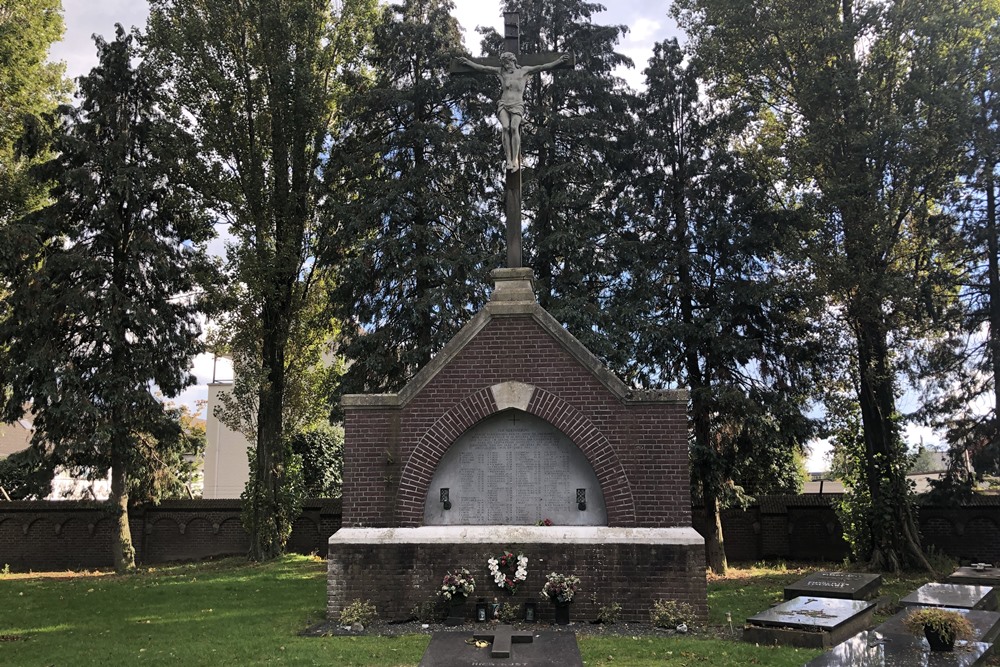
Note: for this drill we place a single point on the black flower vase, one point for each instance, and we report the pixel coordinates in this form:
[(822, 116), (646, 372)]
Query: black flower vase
[(937, 641), (562, 613), (456, 611)]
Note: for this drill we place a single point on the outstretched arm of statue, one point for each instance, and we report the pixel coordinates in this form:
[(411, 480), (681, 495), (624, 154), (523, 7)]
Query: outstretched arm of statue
[(476, 66), (564, 58)]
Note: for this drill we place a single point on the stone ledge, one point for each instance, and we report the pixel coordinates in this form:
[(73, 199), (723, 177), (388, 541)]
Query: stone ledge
[(517, 535)]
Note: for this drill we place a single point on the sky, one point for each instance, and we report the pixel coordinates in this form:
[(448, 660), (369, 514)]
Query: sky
[(647, 21)]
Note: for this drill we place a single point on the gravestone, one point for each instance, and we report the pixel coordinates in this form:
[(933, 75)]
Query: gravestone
[(844, 585), (547, 649), (961, 596), (985, 624), (982, 574), (809, 622), (875, 649)]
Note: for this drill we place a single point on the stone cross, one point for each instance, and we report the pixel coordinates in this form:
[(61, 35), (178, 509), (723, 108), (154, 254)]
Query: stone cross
[(502, 638), (513, 70)]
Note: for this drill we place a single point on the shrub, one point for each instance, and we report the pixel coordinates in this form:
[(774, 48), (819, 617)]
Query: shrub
[(359, 611), (510, 613), (322, 451), (671, 613), (950, 625), (609, 613)]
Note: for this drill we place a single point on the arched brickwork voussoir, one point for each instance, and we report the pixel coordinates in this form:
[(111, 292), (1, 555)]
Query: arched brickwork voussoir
[(416, 475)]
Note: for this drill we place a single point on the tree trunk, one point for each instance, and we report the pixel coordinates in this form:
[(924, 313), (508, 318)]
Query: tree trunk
[(122, 550), (267, 542), (993, 244), (715, 546), (893, 532)]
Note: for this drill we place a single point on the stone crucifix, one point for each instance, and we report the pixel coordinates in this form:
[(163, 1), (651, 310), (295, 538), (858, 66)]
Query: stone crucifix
[(513, 78)]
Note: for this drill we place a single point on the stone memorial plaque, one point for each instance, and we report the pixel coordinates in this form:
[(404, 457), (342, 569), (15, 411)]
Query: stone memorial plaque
[(875, 649), (985, 624), (962, 596), (986, 576), (514, 469), (844, 585), (547, 649), (809, 621)]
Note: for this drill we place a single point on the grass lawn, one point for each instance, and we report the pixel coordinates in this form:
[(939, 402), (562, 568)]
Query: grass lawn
[(232, 613)]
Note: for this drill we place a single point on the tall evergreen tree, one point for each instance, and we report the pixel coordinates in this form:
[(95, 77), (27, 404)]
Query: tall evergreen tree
[(867, 101), (710, 293), (30, 90), (412, 163), (264, 82), (106, 280), (573, 145)]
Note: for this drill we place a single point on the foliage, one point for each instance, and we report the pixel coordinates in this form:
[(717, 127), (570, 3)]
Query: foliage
[(258, 515), (950, 625), (418, 238), (32, 88), (358, 611), (560, 588), (27, 474), (264, 83), (457, 584), (671, 613), (609, 613), (712, 295), (860, 104), (322, 450), (107, 280), (173, 458)]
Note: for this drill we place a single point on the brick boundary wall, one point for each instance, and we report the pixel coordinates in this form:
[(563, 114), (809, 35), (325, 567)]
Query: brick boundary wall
[(62, 535)]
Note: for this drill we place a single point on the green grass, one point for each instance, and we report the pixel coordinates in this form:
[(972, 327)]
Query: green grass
[(232, 613)]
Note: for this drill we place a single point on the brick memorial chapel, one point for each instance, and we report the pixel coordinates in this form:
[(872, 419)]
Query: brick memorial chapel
[(511, 423), (515, 423)]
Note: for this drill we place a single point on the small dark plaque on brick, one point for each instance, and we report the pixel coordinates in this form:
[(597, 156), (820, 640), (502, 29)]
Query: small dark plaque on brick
[(547, 649), (841, 585)]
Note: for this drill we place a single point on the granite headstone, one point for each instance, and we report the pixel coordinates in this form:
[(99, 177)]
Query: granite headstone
[(547, 649), (961, 596), (844, 585), (809, 622)]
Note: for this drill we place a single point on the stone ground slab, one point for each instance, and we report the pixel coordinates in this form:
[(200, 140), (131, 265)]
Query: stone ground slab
[(961, 596), (548, 649), (810, 622), (985, 624), (875, 649), (843, 585), (969, 575)]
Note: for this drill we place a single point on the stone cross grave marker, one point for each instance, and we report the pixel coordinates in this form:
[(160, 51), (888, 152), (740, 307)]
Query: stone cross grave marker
[(502, 638), (513, 70)]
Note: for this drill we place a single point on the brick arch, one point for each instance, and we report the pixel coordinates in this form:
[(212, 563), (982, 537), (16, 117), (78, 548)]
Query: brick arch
[(416, 475)]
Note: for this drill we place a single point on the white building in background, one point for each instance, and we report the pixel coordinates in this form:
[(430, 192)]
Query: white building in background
[(227, 469), (226, 466)]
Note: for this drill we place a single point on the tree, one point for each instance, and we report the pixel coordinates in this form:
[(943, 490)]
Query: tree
[(106, 280), (413, 158), (574, 147), (264, 82), (30, 90), (867, 104), (321, 448), (711, 296)]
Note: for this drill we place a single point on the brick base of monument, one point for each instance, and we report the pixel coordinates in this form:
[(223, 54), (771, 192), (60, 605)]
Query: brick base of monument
[(399, 569)]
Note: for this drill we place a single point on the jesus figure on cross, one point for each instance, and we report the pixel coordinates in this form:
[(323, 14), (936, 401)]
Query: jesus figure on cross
[(510, 110)]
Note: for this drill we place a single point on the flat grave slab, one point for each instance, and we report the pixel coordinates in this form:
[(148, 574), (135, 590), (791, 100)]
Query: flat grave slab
[(960, 596), (810, 622), (985, 624), (547, 649), (987, 576), (875, 649), (843, 585)]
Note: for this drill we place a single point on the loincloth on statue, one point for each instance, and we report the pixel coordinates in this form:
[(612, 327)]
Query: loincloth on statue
[(514, 109)]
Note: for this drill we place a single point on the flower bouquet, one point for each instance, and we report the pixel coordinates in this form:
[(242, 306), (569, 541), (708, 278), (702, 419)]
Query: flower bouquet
[(457, 586)]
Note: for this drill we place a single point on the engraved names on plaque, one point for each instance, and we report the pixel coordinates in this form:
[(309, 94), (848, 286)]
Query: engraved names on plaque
[(514, 469)]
